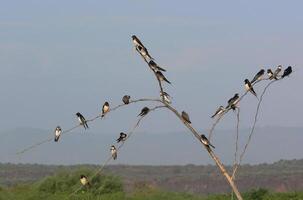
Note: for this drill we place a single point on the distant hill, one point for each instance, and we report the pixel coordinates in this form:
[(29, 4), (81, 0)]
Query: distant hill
[(280, 176)]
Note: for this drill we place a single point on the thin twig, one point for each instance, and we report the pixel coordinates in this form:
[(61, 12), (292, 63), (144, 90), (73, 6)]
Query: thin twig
[(236, 144), (106, 162), (89, 120), (252, 129)]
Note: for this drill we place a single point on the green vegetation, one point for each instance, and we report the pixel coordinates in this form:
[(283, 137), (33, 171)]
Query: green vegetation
[(66, 185)]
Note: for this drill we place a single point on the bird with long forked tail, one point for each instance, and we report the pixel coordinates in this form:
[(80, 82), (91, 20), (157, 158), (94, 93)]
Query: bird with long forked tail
[(82, 120), (114, 152), (249, 87), (185, 117), (205, 141), (258, 76), (232, 102), (122, 137), (58, 132), (105, 108), (218, 112)]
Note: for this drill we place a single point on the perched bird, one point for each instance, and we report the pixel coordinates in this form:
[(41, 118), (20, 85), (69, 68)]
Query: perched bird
[(205, 141), (258, 76), (185, 117), (277, 71), (141, 48), (218, 112), (161, 77), (232, 102), (144, 111), (126, 99), (113, 151), (287, 71), (122, 137), (152, 64), (58, 132), (249, 87), (270, 74), (165, 96), (82, 120), (84, 180), (105, 108)]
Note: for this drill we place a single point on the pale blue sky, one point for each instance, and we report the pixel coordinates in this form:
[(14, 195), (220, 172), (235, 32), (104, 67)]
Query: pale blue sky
[(61, 57)]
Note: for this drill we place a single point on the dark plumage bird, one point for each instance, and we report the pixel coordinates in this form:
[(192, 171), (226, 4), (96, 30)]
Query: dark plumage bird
[(270, 74), (122, 137), (287, 72), (82, 120), (232, 102), (258, 76), (141, 48), (205, 141), (152, 64), (277, 72), (161, 77), (166, 97), (185, 117), (84, 180), (114, 152), (58, 132), (218, 112), (126, 99), (249, 87), (105, 108), (144, 111)]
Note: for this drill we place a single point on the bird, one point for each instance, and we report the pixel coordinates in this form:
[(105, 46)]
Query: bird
[(249, 87), (154, 66), (205, 141), (270, 74), (84, 180), (105, 108), (161, 77), (58, 132), (113, 151), (82, 120), (141, 48), (185, 117), (126, 99), (258, 76), (287, 71), (165, 96), (276, 72), (144, 111), (232, 102), (218, 112), (122, 137)]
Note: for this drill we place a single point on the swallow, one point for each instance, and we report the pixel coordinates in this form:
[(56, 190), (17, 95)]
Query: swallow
[(287, 71), (232, 102), (84, 180), (136, 41), (219, 112), (105, 108), (258, 76), (154, 66), (277, 71), (82, 120), (141, 48), (122, 137), (249, 87), (205, 141), (185, 117), (161, 77), (270, 74), (144, 111), (126, 99), (166, 97), (113, 151), (58, 132)]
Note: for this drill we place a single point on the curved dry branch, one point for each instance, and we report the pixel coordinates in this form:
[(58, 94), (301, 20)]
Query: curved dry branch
[(89, 120), (106, 162), (252, 129)]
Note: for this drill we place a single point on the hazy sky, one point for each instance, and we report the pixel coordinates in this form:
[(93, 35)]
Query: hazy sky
[(61, 57)]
